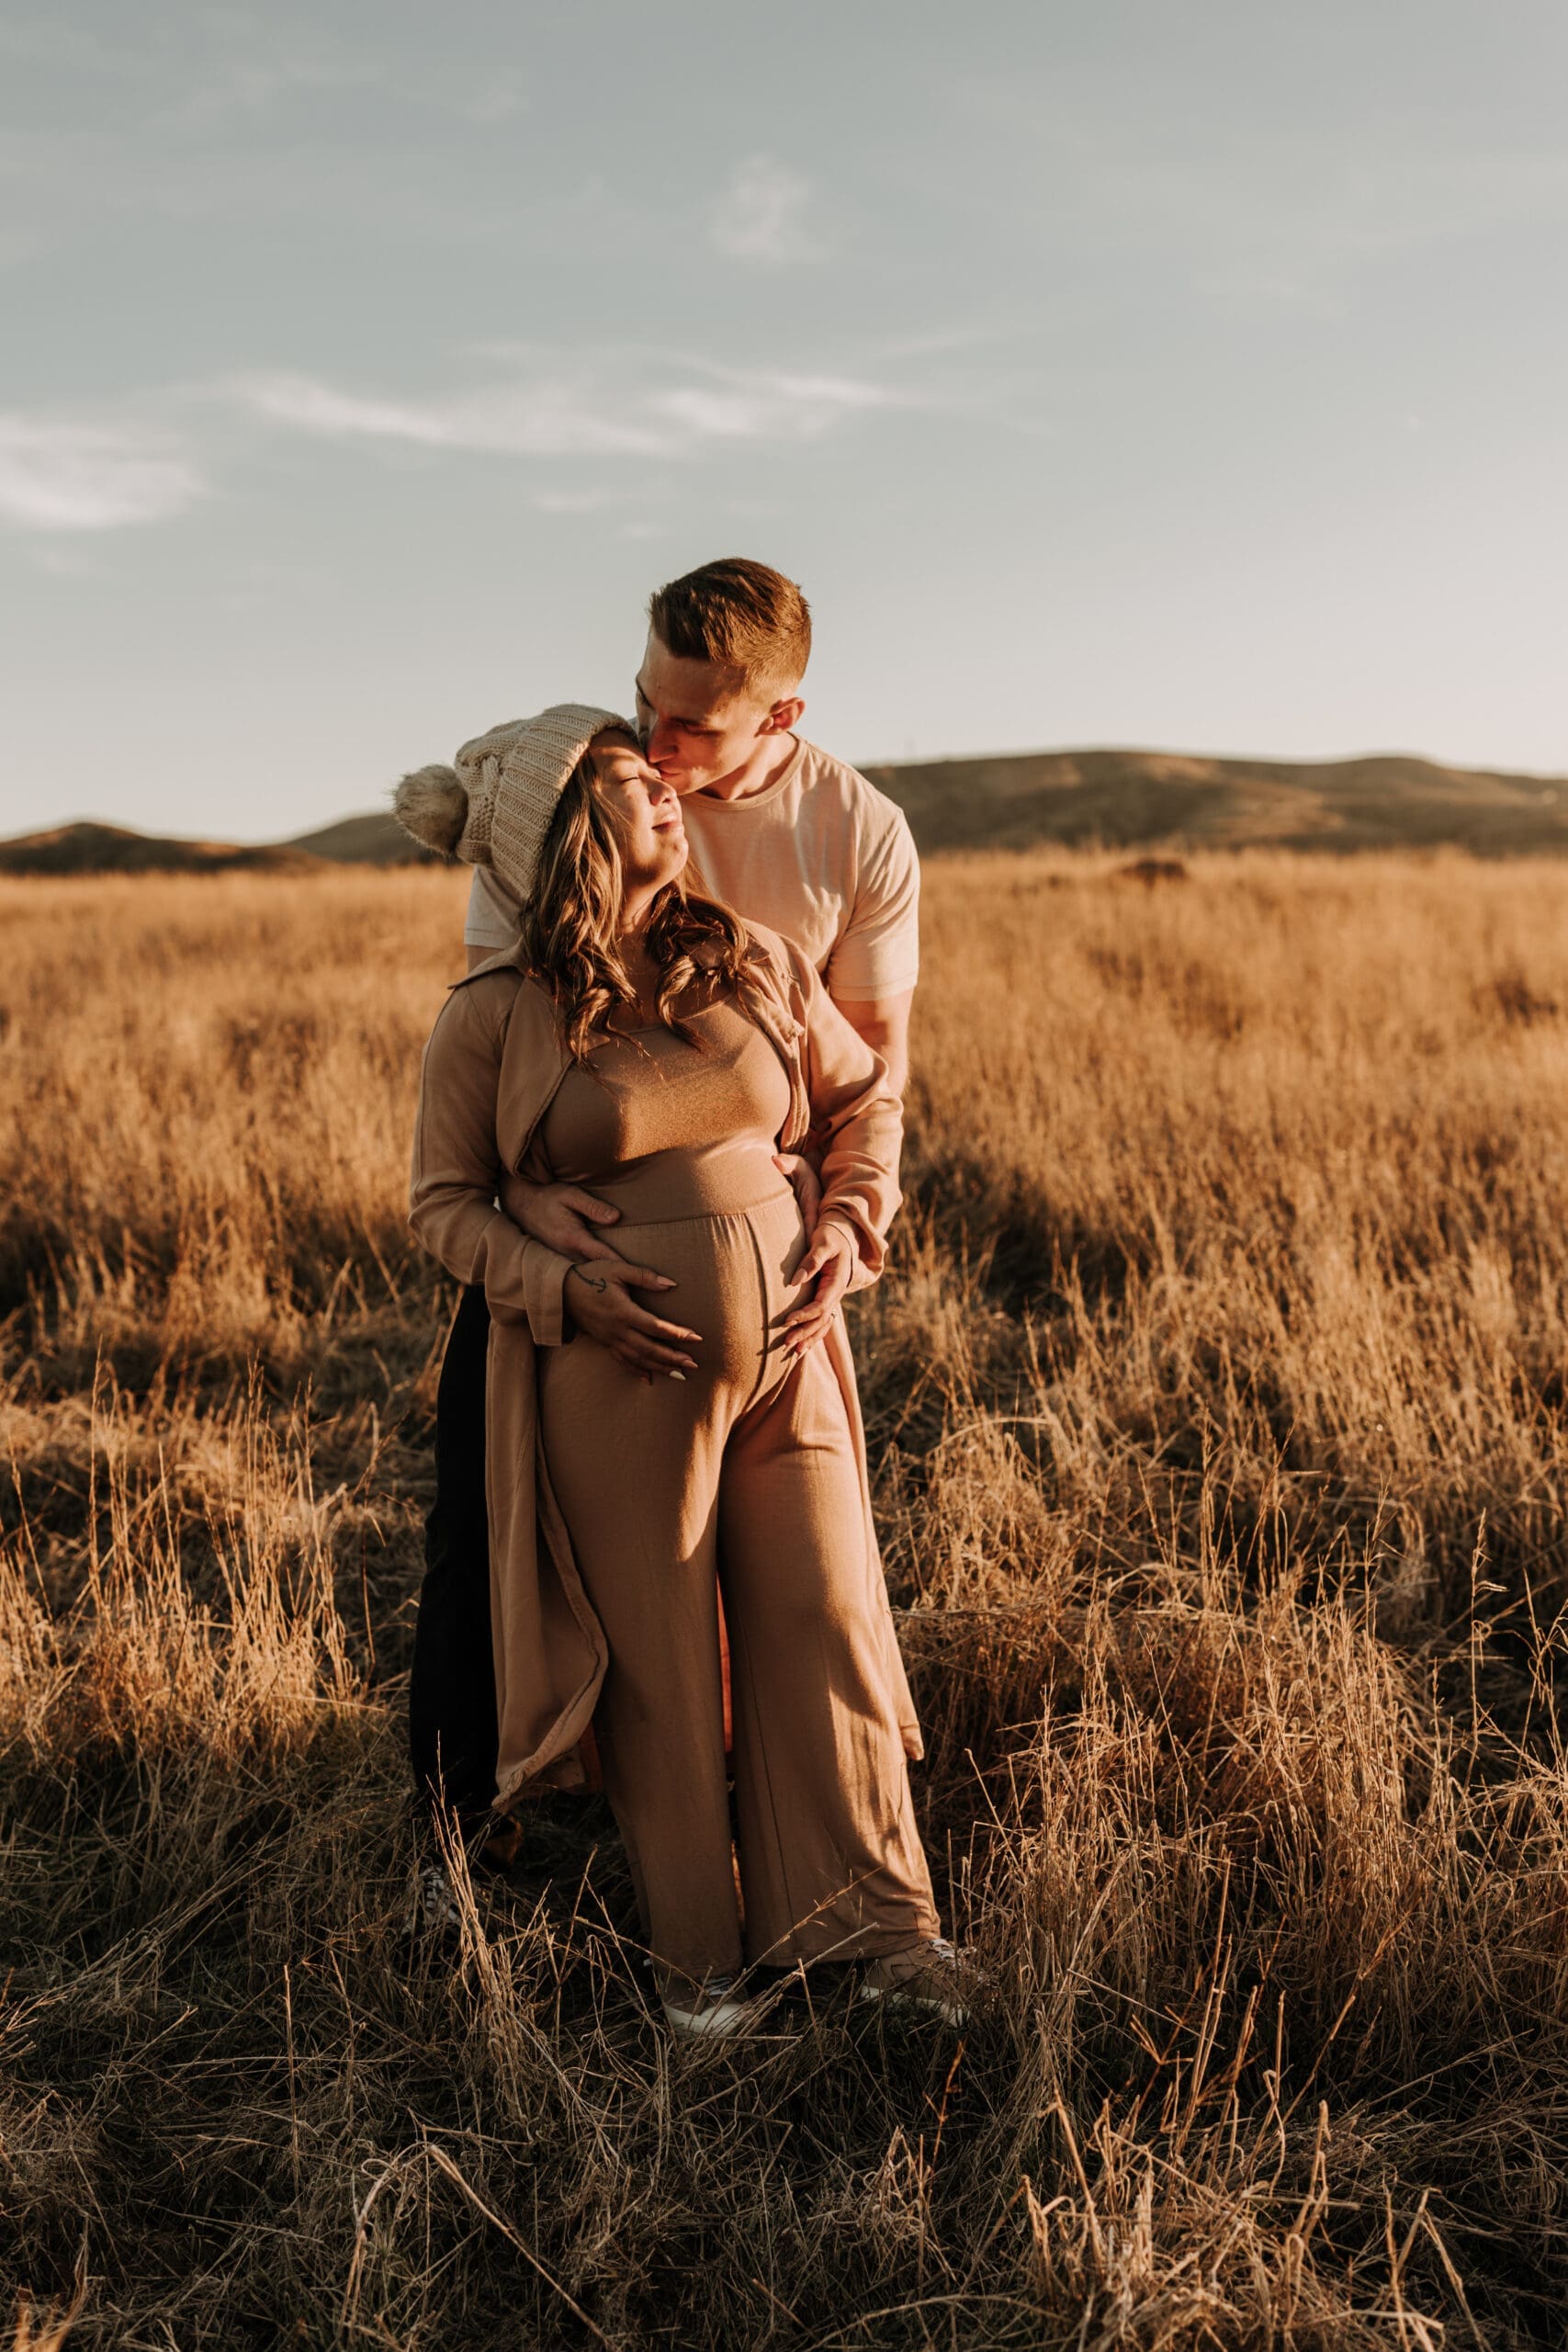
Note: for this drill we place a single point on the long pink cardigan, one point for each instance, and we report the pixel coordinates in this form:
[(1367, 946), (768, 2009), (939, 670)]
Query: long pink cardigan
[(489, 1074)]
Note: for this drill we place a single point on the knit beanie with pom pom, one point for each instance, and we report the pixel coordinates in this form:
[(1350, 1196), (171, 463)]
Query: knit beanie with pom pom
[(493, 807)]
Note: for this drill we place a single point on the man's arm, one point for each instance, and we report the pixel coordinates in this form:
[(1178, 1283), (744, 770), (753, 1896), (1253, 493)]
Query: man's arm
[(490, 924), (871, 973), (884, 1023)]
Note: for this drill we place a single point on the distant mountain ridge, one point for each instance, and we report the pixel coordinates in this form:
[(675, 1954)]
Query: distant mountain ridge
[(1125, 799), (375, 839), (118, 849), (1130, 800)]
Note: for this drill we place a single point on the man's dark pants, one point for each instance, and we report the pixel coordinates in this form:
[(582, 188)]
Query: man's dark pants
[(452, 1728)]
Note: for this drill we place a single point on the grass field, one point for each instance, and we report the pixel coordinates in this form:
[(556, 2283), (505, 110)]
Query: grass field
[(1216, 1403)]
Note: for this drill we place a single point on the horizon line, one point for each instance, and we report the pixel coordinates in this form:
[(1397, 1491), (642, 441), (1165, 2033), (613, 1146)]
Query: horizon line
[(863, 767)]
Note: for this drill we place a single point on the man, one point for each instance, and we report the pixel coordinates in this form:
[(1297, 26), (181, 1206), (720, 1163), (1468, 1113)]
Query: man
[(798, 842)]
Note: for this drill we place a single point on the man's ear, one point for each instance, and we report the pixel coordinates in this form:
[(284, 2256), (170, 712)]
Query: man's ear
[(784, 716)]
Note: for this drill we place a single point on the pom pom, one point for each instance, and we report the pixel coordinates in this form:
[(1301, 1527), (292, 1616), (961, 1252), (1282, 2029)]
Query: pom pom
[(433, 806)]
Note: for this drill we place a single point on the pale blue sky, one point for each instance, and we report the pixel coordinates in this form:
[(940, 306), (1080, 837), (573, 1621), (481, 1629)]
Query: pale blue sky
[(1171, 372)]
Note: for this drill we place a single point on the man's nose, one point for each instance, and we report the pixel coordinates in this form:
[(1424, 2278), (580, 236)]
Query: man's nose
[(660, 740)]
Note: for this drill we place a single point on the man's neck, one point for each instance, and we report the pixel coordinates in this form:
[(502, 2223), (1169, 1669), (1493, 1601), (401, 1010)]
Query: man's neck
[(766, 764)]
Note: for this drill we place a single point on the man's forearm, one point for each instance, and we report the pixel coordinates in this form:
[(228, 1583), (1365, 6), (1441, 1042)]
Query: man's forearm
[(883, 1024)]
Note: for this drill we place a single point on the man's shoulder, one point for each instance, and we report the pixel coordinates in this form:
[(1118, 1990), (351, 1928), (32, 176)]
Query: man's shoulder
[(871, 811)]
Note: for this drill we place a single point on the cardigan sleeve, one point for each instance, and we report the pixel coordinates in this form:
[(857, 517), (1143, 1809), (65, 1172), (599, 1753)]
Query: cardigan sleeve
[(457, 1165), (857, 1113)]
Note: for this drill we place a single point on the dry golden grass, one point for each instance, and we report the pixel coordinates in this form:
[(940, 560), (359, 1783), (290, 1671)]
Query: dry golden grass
[(1217, 1406)]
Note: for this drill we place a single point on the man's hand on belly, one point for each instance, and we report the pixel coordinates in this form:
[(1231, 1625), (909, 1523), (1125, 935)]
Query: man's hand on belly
[(570, 1221), (804, 1182)]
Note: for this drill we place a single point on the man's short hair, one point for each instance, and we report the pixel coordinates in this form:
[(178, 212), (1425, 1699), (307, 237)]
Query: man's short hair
[(742, 615)]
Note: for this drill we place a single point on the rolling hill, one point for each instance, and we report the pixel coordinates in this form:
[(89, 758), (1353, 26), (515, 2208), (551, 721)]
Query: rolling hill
[(375, 839), (1124, 800), (1129, 799), (118, 849)]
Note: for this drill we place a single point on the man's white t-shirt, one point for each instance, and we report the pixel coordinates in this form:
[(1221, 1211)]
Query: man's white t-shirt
[(820, 855)]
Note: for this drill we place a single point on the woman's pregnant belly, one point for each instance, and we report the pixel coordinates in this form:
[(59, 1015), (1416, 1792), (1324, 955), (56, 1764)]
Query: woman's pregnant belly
[(734, 1274), (660, 1444)]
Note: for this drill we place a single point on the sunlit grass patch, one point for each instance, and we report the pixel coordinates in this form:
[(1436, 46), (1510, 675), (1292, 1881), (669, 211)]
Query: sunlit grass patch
[(1215, 1405)]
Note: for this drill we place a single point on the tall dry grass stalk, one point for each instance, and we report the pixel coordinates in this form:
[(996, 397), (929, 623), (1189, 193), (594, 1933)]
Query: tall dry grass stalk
[(1218, 1408)]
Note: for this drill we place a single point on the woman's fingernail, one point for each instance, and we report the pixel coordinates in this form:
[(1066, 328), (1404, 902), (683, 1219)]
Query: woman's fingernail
[(677, 1376)]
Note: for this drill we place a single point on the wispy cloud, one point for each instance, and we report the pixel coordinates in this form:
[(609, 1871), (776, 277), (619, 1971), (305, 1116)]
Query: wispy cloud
[(60, 476), (759, 215), (540, 419), (619, 409), (573, 502), (154, 456), (499, 101)]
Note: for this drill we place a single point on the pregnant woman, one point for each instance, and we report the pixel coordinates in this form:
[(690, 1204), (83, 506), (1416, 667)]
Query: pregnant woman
[(643, 1041)]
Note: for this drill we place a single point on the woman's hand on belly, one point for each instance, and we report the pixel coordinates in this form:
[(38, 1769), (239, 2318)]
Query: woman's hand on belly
[(597, 1297)]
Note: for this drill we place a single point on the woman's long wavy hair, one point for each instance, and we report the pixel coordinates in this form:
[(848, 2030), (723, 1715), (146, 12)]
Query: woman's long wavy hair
[(572, 928)]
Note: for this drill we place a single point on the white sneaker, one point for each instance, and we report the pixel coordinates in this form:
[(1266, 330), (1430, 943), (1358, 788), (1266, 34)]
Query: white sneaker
[(924, 1975), (433, 1908), (712, 2007)]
